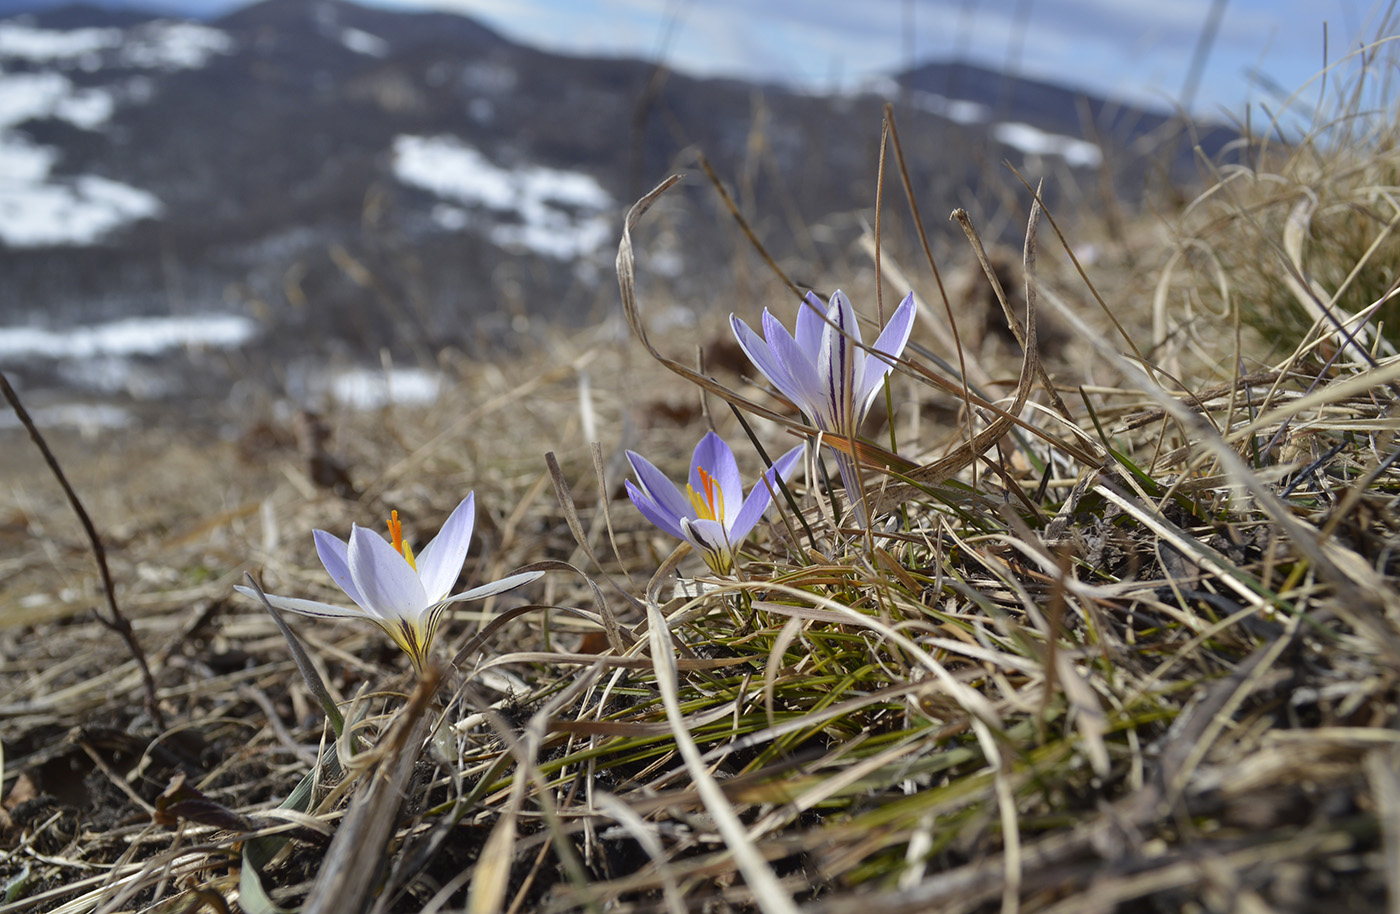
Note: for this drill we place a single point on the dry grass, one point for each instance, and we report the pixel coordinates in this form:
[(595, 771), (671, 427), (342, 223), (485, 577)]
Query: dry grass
[(1134, 648)]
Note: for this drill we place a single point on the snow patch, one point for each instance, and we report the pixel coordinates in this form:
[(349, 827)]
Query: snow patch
[(562, 214), (162, 45), (368, 388), (362, 42), (67, 211), (88, 418), (956, 110), (133, 336), (37, 209), (1033, 141)]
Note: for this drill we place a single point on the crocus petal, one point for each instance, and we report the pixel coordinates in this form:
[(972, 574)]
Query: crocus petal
[(334, 555), (836, 365), (760, 497), (892, 341), (715, 458), (761, 354), (659, 516), (843, 315), (440, 562), (305, 607), (709, 537), (804, 386), (389, 585), (811, 323), (482, 591), (660, 491)]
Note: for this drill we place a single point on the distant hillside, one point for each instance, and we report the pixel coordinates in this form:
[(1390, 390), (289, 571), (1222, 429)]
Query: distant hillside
[(405, 181)]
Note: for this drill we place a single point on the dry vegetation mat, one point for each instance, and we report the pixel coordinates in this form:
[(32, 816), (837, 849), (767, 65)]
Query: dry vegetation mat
[(1108, 625)]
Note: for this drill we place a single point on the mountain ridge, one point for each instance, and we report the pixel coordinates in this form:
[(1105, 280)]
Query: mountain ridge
[(407, 181)]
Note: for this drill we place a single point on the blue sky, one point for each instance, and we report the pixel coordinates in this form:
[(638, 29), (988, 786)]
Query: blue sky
[(1140, 49)]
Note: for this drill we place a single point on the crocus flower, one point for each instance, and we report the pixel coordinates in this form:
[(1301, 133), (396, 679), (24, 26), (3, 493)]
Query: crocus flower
[(402, 593), (712, 514), (824, 370)]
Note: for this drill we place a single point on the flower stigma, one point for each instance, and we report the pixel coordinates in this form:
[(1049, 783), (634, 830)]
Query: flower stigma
[(396, 535), (710, 506)]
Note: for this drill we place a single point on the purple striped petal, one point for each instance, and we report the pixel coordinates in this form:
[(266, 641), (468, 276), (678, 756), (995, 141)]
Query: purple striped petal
[(709, 537), (481, 591), (836, 365), (440, 562)]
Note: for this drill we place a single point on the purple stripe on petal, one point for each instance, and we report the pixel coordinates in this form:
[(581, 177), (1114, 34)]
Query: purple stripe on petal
[(834, 366), (440, 562), (389, 585), (709, 537)]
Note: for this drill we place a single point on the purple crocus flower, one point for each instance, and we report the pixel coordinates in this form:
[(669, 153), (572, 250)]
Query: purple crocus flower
[(402, 593), (712, 514), (824, 370)]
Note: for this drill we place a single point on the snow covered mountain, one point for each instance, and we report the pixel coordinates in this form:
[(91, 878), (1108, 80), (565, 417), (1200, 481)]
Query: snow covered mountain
[(340, 178)]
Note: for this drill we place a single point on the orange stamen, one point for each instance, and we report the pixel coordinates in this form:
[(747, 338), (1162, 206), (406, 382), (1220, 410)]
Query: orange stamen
[(396, 537), (711, 505)]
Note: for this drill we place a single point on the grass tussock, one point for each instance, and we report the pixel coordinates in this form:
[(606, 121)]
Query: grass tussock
[(1123, 633)]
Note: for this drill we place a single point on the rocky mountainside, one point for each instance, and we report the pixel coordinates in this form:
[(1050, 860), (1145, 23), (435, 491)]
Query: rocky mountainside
[(383, 180)]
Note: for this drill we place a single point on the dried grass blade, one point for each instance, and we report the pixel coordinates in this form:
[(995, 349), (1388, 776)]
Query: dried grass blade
[(943, 469)]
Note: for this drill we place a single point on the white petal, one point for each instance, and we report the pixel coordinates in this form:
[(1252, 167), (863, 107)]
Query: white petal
[(440, 562), (388, 584), (305, 607), (334, 555), (482, 591)]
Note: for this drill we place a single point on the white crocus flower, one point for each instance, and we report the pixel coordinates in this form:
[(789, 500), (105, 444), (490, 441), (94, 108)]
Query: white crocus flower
[(402, 593)]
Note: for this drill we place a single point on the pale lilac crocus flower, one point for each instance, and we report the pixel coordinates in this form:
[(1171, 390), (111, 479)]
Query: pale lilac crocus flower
[(712, 514), (825, 371), (403, 594)]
